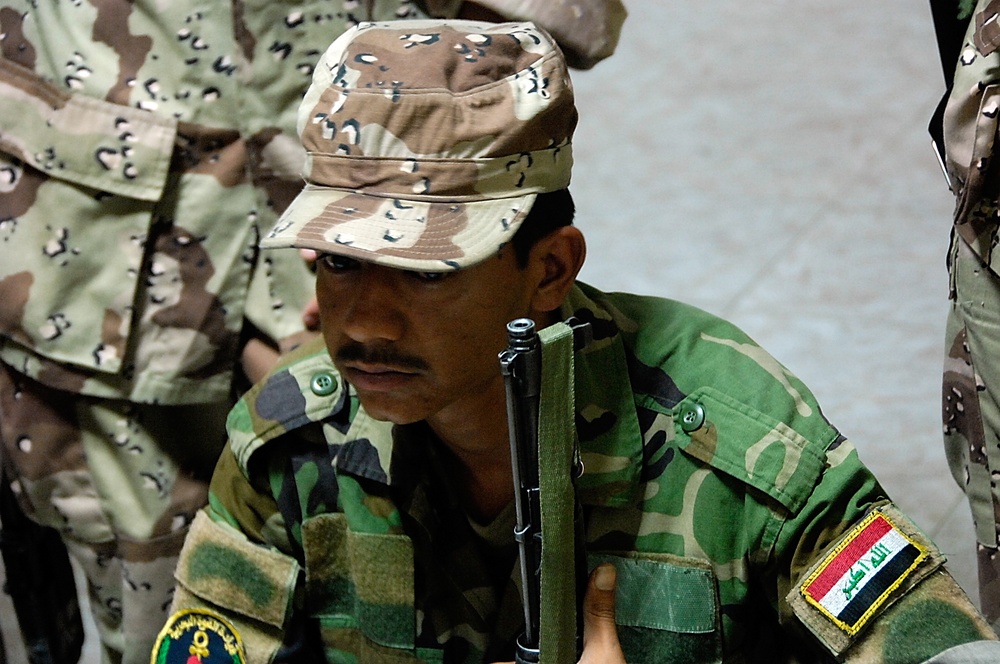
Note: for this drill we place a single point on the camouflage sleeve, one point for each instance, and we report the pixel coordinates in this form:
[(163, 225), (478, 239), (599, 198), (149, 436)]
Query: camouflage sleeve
[(235, 569), (249, 587), (863, 579), (587, 30), (250, 509)]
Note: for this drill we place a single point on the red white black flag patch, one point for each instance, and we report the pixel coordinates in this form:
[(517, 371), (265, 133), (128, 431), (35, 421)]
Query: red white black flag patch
[(860, 574)]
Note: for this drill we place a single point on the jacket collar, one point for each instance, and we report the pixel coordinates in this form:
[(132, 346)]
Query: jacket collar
[(606, 420)]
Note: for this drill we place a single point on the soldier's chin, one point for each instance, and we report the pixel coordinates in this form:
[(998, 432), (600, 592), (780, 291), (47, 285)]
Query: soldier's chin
[(384, 410)]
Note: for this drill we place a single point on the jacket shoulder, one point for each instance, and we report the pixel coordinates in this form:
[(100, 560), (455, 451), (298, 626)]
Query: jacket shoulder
[(732, 404), (303, 388)]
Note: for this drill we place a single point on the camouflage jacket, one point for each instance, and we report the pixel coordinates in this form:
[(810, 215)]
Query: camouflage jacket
[(145, 147), (742, 523)]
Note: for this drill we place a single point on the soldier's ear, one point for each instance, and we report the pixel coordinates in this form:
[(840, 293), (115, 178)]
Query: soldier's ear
[(556, 260)]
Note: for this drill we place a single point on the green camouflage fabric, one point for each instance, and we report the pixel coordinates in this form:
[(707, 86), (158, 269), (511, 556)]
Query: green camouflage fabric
[(971, 386), (713, 482), (427, 142)]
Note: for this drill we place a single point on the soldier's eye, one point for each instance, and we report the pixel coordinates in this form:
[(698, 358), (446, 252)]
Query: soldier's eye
[(431, 277), (336, 263)]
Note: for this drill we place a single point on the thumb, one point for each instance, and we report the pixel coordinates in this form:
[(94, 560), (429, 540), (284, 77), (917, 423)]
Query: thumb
[(600, 633)]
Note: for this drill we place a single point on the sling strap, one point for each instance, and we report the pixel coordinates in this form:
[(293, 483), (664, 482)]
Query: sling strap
[(556, 443)]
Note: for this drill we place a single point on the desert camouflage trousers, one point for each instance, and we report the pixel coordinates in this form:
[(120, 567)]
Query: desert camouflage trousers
[(99, 471), (971, 408)]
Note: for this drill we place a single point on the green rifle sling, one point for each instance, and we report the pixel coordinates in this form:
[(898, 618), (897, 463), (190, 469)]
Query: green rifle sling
[(556, 441)]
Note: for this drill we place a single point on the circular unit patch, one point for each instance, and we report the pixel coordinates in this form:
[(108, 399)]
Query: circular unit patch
[(198, 636)]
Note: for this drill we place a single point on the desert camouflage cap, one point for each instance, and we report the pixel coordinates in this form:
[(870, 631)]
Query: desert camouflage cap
[(428, 141)]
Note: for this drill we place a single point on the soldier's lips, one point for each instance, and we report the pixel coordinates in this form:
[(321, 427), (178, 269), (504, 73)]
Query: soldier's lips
[(377, 378)]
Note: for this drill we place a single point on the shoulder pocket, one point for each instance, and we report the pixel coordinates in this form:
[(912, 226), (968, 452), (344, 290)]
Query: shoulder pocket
[(751, 446), (878, 561), (249, 585)]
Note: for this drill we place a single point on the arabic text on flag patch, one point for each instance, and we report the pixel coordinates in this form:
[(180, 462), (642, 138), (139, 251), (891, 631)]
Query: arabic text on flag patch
[(861, 573)]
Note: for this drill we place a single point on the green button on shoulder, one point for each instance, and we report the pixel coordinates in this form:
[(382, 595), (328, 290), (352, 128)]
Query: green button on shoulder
[(692, 417), (323, 383)]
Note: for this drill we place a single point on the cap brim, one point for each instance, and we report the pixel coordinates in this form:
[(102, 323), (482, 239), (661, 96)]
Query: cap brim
[(402, 233)]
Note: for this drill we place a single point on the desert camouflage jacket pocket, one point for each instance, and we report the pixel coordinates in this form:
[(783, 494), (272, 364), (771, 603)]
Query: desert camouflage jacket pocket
[(68, 162)]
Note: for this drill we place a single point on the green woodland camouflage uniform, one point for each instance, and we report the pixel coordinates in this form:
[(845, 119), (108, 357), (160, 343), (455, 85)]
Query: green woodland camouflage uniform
[(145, 147), (743, 525), (712, 481), (971, 398)]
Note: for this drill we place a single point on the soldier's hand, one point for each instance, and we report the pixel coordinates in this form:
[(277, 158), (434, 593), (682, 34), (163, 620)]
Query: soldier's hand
[(600, 634)]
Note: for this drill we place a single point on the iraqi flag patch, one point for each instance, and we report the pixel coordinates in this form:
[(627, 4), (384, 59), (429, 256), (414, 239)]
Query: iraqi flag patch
[(860, 574)]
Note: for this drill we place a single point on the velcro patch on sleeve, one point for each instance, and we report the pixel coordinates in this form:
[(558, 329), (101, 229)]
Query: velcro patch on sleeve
[(859, 575), (222, 567)]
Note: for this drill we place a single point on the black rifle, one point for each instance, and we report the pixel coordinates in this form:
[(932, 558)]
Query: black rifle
[(40, 584), (521, 365)]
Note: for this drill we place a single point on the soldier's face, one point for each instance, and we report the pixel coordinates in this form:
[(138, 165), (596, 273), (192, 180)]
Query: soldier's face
[(420, 346)]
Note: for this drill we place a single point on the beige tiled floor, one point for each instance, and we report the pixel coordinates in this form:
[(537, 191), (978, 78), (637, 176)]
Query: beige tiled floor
[(769, 162)]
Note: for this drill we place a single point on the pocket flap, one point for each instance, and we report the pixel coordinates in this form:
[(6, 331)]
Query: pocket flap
[(754, 447), (90, 142)]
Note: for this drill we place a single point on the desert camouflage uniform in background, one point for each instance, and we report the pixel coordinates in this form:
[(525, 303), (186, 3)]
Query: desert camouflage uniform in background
[(971, 398), (713, 482), (145, 147)]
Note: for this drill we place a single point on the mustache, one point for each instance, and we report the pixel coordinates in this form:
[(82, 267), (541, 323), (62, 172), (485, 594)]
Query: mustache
[(356, 352)]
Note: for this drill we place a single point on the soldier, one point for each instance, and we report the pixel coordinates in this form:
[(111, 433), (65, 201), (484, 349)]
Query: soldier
[(362, 510), (971, 385), (144, 149)]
